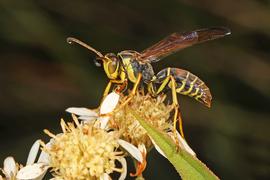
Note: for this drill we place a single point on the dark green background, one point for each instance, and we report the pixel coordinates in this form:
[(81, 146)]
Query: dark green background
[(41, 75)]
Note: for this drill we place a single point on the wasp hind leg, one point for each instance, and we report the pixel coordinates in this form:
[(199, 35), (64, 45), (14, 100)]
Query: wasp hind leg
[(177, 114), (166, 78)]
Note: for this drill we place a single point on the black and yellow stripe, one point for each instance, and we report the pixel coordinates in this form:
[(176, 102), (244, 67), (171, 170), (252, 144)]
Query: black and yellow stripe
[(186, 84)]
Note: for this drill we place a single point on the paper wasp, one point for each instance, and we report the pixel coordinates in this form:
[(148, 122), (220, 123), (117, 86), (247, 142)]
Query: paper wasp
[(136, 67)]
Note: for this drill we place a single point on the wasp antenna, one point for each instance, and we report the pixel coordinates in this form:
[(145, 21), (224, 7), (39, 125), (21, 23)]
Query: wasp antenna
[(71, 40)]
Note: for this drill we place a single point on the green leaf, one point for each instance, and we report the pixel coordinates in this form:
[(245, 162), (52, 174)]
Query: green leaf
[(188, 166)]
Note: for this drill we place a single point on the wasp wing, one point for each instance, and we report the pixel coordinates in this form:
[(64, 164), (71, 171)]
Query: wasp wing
[(178, 41)]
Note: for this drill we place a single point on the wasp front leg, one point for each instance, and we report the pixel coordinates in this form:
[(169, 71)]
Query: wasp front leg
[(122, 82), (131, 95), (122, 85), (133, 91)]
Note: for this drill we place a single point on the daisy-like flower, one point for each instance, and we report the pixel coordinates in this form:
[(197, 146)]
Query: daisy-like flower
[(134, 138), (84, 151), (32, 170), (89, 149)]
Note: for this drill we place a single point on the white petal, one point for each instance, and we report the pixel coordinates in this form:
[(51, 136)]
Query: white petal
[(109, 103), (103, 121), (32, 172), (33, 153), (10, 167), (131, 149), (158, 148), (87, 118), (44, 157), (142, 148), (124, 167), (80, 111), (105, 176), (183, 143)]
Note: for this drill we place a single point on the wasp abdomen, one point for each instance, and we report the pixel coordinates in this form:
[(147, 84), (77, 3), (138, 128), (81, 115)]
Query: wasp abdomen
[(187, 84)]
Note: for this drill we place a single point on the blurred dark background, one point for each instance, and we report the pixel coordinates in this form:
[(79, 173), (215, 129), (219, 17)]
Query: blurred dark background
[(41, 75)]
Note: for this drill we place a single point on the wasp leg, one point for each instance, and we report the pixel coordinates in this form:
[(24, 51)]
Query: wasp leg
[(107, 89), (122, 82), (176, 109), (131, 95), (133, 92), (180, 124), (167, 78)]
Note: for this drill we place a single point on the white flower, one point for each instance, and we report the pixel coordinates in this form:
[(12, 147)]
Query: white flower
[(32, 170), (107, 106)]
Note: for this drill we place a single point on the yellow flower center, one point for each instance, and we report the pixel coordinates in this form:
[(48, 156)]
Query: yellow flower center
[(83, 152)]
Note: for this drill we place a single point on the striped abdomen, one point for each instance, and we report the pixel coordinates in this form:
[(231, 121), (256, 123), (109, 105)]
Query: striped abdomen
[(188, 84)]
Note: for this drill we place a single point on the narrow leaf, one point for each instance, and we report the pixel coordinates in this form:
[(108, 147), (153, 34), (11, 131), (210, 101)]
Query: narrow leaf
[(188, 166)]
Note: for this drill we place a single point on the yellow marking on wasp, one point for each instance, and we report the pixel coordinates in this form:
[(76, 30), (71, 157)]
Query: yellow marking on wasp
[(178, 90), (195, 93), (168, 71), (188, 91), (195, 79), (191, 86), (199, 96), (201, 84), (129, 69), (188, 73)]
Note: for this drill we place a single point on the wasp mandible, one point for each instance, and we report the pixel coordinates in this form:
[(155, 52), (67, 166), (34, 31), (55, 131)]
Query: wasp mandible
[(136, 67)]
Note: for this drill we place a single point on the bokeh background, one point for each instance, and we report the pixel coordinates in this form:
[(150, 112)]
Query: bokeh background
[(41, 75)]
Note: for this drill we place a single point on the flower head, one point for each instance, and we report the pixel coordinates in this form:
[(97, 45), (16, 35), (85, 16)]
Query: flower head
[(134, 138), (153, 110), (84, 151)]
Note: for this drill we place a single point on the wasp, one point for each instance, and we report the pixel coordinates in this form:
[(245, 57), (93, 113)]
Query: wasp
[(133, 66)]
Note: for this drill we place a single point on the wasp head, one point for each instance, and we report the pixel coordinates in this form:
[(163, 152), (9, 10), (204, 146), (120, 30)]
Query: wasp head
[(110, 61)]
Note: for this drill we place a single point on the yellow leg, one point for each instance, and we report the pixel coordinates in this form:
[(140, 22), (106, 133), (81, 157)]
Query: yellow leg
[(107, 89), (133, 92), (176, 109), (135, 87), (180, 123), (163, 85), (122, 82)]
